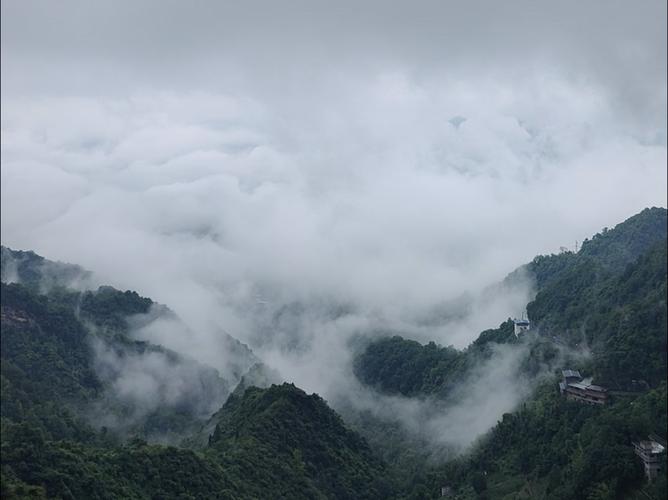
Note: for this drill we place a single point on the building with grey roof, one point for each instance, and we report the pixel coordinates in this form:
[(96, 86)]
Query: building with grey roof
[(650, 452), (574, 388)]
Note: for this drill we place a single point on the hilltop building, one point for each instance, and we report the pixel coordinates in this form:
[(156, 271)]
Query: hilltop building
[(575, 388), (650, 452), (521, 325)]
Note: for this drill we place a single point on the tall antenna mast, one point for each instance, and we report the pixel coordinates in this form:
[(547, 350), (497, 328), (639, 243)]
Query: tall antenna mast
[(576, 246)]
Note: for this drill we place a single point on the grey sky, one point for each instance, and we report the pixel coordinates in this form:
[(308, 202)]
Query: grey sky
[(112, 45)]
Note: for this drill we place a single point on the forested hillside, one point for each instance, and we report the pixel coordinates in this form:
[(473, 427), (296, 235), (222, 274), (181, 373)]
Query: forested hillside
[(69, 432), (270, 443), (51, 355), (72, 428), (394, 365), (552, 448), (608, 303), (294, 442), (610, 298)]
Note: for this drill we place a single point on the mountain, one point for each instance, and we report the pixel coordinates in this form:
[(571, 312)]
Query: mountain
[(616, 248), (88, 408), (293, 441), (76, 348), (611, 249), (76, 388), (610, 297), (606, 302)]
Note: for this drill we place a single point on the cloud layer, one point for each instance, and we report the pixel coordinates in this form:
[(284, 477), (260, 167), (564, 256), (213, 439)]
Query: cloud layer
[(205, 201)]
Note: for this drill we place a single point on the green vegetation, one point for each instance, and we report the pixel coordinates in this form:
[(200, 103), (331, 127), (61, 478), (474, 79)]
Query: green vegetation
[(615, 249), (35, 271), (63, 349), (621, 317), (46, 364), (394, 365), (557, 449), (585, 299), (274, 443), (292, 443), (271, 443), (109, 308), (35, 468), (398, 366), (50, 365), (609, 298)]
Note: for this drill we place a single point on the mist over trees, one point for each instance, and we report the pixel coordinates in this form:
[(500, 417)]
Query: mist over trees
[(82, 399)]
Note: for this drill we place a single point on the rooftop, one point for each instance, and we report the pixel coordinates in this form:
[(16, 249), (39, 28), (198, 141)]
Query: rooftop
[(570, 373), (587, 387), (651, 446), (660, 440)]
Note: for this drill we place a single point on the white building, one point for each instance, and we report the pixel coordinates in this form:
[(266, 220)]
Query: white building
[(650, 452), (521, 325)]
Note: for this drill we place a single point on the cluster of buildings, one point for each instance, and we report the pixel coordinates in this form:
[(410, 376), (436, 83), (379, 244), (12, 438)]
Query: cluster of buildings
[(650, 451), (575, 388)]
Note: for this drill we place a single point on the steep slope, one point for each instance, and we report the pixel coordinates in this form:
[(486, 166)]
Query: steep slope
[(610, 300), (615, 248), (68, 362), (621, 317), (73, 349), (293, 441), (611, 249), (609, 297), (46, 364), (552, 448), (50, 357)]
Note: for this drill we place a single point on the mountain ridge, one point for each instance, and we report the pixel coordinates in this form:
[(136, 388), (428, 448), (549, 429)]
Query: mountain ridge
[(279, 442)]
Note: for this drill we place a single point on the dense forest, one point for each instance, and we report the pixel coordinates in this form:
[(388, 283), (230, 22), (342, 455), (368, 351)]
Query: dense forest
[(58, 383), (609, 299), (67, 433)]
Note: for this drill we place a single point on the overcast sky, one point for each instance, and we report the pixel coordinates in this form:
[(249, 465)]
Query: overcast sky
[(389, 155)]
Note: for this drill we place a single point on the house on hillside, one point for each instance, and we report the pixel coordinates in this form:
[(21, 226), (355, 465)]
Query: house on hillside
[(575, 388), (650, 452), (521, 325)]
